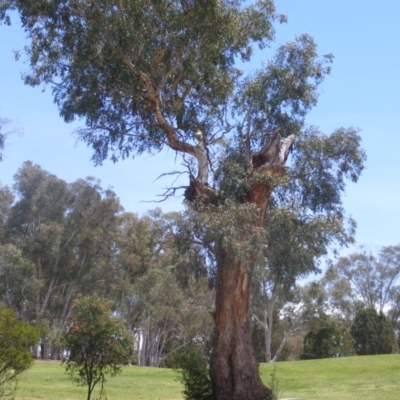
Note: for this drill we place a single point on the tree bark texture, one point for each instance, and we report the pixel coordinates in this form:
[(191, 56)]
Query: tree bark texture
[(234, 369)]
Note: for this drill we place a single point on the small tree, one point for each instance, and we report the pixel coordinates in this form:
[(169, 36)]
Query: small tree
[(98, 344), (15, 338), (373, 333)]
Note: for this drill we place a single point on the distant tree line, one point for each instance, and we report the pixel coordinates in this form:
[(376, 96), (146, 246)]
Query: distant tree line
[(62, 240), (355, 306)]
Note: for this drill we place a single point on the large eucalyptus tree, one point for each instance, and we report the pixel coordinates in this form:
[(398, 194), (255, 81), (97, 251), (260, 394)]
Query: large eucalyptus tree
[(148, 74), (58, 242)]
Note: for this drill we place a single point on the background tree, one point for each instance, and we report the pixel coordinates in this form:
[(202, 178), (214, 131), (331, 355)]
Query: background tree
[(161, 299), (393, 313), (97, 343), (296, 242), (65, 233), (143, 76), (89, 246), (277, 335), (6, 200), (364, 278), (373, 333), (4, 132), (15, 339), (18, 283), (298, 315), (328, 337)]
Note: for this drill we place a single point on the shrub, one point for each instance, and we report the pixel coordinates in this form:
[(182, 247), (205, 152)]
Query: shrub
[(15, 338), (192, 365)]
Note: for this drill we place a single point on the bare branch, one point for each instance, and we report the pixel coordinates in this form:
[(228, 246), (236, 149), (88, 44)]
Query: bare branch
[(170, 192), (170, 173)]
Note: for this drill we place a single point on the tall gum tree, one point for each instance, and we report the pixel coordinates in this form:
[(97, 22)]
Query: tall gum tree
[(148, 74), (58, 241)]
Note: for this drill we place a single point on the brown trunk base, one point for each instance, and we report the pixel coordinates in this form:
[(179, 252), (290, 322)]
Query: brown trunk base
[(234, 368)]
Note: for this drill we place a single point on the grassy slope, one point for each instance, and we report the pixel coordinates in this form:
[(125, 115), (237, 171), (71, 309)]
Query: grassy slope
[(355, 378)]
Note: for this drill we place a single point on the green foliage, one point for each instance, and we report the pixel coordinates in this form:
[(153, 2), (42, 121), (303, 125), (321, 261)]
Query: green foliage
[(187, 49), (192, 367), (285, 89), (57, 241), (98, 344), (328, 338), (221, 231), (15, 338), (322, 163), (373, 333), (17, 284)]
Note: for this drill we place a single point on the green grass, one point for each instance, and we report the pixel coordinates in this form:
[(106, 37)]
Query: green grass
[(355, 378), (48, 381)]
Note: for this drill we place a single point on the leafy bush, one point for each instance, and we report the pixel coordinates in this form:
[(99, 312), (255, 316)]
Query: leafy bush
[(15, 338), (192, 365)]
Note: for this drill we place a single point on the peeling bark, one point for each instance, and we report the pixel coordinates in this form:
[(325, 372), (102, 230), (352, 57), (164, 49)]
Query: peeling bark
[(274, 153), (234, 368)]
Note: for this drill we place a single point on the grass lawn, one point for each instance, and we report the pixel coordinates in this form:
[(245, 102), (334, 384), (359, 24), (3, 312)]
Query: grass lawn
[(47, 380), (355, 378)]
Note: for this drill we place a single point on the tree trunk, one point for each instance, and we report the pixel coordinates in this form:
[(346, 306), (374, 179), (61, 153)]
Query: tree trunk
[(267, 338), (268, 325), (280, 348), (44, 350), (234, 369)]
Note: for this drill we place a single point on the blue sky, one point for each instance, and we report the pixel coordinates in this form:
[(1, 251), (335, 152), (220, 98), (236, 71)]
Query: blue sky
[(362, 91)]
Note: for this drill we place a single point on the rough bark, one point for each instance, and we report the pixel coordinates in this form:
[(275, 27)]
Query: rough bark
[(234, 369)]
